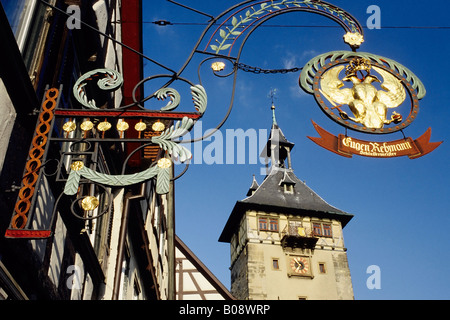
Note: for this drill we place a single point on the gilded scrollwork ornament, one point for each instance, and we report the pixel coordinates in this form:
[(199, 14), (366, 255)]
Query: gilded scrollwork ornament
[(167, 140), (367, 95)]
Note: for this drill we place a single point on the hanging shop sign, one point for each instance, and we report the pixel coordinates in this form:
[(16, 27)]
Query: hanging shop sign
[(80, 134), (370, 94)]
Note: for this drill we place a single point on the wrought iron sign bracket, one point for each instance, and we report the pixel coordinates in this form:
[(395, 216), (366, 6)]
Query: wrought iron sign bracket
[(81, 133)]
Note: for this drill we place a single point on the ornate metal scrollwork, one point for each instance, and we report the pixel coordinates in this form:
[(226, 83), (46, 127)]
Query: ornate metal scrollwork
[(107, 79), (249, 16), (319, 79), (166, 140)]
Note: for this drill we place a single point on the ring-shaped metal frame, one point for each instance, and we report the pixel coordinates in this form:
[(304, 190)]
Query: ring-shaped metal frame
[(355, 127), (108, 207)]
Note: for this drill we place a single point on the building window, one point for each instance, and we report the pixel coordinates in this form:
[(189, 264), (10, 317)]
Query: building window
[(275, 264), (322, 268), (268, 224), (288, 188), (322, 229), (317, 229), (262, 223), (273, 224), (326, 230)]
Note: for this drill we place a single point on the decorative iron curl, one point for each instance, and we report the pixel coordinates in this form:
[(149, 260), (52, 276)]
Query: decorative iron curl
[(254, 18), (198, 93), (247, 16), (108, 80)]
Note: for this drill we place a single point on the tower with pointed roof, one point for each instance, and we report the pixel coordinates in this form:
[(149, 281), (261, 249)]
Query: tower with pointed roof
[(286, 242)]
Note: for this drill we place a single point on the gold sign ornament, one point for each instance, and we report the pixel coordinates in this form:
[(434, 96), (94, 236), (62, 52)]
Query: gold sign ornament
[(89, 203), (164, 163), (86, 125), (362, 105), (158, 126), (354, 39), (77, 165), (104, 126), (370, 94), (140, 126), (69, 126), (368, 104), (217, 66), (122, 126)]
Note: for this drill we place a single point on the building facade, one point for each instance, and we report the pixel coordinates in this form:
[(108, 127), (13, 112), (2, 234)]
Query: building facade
[(49, 247), (87, 195), (194, 280), (286, 242)]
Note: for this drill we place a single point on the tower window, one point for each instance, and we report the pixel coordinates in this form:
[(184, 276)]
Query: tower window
[(275, 264), (288, 188), (273, 225), (317, 229), (322, 268), (263, 224), (322, 229), (326, 230), (268, 224)]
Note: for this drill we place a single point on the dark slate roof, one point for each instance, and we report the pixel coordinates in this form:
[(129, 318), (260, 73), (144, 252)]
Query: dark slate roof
[(271, 193), (270, 196)]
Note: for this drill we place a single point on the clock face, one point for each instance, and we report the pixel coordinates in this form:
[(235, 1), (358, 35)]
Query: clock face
[(299, 265)]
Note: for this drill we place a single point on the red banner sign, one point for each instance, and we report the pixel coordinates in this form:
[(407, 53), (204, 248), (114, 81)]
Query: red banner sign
[(347, 146)]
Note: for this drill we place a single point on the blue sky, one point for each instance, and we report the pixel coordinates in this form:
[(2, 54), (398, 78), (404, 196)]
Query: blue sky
[(400, 206)]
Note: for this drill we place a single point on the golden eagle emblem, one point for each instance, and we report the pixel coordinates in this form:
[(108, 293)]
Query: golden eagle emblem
[(368, 104)]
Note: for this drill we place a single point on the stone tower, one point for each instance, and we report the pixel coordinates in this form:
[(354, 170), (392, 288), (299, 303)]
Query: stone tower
[(286, 242)]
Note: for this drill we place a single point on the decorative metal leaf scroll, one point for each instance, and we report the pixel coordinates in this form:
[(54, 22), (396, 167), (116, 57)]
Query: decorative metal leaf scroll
[(111, 80), (78, 170), (107, 80), (247, 16)]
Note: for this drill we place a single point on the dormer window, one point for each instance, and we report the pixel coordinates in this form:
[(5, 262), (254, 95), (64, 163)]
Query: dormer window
[(288, 188), (287, 183)]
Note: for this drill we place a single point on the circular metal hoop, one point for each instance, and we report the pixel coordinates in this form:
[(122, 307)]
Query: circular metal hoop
[(316, 67), (335, 116), (107, 209)]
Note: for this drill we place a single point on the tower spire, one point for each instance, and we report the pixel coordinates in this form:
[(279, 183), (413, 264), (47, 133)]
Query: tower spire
[(274, 119), (278, 148), (272, 94)]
